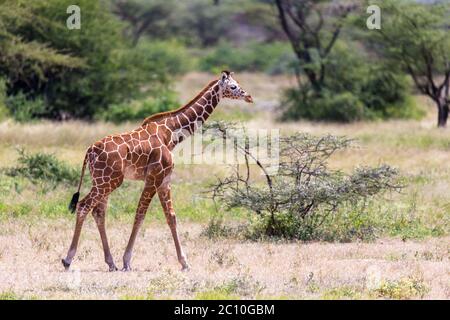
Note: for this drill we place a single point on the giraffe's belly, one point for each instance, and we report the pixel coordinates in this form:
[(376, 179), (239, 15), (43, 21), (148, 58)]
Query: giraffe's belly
[(136, 164), (133, 173)]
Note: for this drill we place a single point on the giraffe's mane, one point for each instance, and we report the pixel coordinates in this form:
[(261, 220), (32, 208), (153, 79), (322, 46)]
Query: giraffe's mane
[(163, 115)]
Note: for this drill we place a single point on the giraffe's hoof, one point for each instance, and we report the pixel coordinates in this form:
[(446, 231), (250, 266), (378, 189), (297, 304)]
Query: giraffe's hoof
[(126, 268), (65, 264), (186, 268), (113, 268)]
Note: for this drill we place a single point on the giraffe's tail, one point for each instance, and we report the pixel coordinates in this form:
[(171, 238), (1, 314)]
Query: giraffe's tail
[(76, 195)]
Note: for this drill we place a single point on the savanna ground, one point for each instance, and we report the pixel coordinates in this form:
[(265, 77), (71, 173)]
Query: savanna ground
[(407, 256)]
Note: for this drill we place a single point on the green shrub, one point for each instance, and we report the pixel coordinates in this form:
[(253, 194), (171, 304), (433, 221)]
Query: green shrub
[(139, 109), (350, 222), (215, 294), (43, 166), (23, 108), (241, 285), (342, 107), (272, 58), (359, 90), (217, 229), (9, 295), (304, 198), (387, 95), (342, 293), (404, 288), (169, 57)]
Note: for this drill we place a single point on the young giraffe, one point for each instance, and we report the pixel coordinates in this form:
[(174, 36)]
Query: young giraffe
[(144, 154)]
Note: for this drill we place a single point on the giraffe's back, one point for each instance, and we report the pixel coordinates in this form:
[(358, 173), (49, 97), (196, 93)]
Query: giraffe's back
[(129, 155)]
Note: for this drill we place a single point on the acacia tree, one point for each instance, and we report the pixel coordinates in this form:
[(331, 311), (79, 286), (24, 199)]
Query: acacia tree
[(304, 192), (143, 16), (312, 28), (28, 63), (416, 37)]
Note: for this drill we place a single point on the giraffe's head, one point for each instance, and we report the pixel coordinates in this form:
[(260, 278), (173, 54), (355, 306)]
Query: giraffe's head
[(231, 88)]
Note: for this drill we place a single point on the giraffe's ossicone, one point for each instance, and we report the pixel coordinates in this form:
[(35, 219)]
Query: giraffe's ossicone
[(144, 154)]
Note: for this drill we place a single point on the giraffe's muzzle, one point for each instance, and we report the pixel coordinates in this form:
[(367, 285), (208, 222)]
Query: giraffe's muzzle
[(248, 98)]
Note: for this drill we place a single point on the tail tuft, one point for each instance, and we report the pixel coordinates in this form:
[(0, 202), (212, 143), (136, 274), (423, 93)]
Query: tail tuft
[(74, 201)]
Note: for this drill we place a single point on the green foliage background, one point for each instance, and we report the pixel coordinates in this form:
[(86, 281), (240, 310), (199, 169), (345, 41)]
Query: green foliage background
[(128, 53), (76, 73)]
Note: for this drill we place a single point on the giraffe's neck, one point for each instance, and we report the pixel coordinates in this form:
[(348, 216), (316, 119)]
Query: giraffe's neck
[(189, 118), (201, 108)]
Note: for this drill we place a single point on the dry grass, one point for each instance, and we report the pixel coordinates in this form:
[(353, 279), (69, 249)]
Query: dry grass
[(31, 246), (30, 266)]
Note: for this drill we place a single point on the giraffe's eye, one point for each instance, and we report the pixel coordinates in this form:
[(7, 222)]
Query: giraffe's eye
[(233, 87)]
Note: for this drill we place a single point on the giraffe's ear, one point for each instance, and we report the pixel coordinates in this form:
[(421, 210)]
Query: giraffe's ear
[(225, 75)]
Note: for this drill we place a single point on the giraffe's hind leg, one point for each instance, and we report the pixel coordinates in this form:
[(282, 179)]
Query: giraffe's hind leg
[(83, 208), (99, 213)]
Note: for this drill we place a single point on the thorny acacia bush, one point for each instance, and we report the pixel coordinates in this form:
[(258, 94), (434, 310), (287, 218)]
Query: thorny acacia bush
[(304, 193)]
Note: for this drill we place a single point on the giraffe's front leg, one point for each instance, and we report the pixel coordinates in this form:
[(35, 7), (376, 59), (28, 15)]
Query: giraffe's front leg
[(166, 203), (144, 202), (99, 213)]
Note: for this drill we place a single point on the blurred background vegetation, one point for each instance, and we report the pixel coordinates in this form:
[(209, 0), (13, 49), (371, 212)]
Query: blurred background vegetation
[(122, 63)]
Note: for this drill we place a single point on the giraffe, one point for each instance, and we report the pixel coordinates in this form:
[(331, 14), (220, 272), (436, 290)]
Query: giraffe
[(144, 154)]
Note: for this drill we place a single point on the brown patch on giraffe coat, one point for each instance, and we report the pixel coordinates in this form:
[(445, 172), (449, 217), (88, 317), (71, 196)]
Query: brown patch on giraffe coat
[(154, 156), (102, 157), (184, 120), (145, 145), (190, 114), (108, 171), (118, 140), (135, 135), (164, 135), (209, 109), (171, 123), (143, 135)]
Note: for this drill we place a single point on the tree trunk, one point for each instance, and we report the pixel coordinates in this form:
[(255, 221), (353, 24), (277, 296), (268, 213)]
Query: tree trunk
[(442, 113)]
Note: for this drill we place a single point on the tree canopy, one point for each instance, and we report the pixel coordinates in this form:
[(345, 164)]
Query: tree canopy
[(416, 37), (76, 72)]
